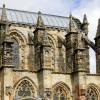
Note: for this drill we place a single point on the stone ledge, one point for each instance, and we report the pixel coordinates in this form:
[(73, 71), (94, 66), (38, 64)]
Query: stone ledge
[(93, 74)]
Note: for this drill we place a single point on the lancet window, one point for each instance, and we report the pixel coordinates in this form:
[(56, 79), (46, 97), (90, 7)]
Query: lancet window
[(15, 52)]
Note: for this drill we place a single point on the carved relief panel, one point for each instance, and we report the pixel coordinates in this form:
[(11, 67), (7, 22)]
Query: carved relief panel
[(51, 51)]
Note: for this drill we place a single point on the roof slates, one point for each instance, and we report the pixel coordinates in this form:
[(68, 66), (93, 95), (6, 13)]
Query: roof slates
[(25, 17)]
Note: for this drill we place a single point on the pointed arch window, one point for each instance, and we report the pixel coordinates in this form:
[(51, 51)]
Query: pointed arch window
[(91, 95), (15, 52), (24, 90), (59, 94)]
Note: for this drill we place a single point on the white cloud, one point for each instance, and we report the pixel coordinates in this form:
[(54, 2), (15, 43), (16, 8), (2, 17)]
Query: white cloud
[(46, 6), (63, 7)]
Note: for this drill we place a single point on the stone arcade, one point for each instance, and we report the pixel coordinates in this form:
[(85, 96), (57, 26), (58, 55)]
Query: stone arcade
[(46, 57)]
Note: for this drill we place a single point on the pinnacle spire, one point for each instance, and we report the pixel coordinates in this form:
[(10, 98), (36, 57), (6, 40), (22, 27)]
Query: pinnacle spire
[(4, 15), (85, 24), (85, 21), (72, 26), (40, 23), (98, 29)]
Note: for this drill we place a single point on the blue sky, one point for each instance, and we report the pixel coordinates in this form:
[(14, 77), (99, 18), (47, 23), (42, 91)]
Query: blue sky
[(63, 8), (76, 4), (59, 7)]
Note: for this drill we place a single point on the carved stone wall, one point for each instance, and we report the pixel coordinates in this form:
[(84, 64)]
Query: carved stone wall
[(71, 45), (25, 89), (59, 58)]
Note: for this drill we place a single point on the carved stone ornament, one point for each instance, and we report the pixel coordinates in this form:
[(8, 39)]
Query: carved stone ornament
[(7, 55), (47, 94), (9, 90)]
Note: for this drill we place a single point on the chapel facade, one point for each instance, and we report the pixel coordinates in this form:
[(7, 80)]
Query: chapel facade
[(46, 57)]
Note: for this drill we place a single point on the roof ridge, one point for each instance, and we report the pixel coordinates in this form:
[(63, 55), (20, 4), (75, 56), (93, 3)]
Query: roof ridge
[(36, 13), (27, 17)]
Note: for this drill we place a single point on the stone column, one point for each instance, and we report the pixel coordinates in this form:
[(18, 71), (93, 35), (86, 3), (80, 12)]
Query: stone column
[(80, 64)]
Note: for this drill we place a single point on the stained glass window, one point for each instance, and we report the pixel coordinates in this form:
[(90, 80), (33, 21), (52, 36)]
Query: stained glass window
[(59, 94), (15, 53), (91, 95)]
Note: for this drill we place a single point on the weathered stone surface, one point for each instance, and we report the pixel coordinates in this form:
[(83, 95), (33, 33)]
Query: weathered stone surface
[(51, 65)]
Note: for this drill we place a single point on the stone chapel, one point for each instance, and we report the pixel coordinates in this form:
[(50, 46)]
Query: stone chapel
[(46, 57)]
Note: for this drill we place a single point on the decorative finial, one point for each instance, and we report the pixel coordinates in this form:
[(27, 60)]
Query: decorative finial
[(40, 23), (3, 5), (4, 15), (70, 16), (85, 25), (72, 26), (85, 21)]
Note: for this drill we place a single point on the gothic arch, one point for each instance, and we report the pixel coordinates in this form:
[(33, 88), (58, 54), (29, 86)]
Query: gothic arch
[(61, 91), (92, 92), (52, 39), (25, 88), (20, 38)]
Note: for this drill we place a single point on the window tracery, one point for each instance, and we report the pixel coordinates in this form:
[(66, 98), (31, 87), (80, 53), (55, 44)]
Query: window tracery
[(91, 95), (18, 48), (24, 89), (15, 53), (59, 94)]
